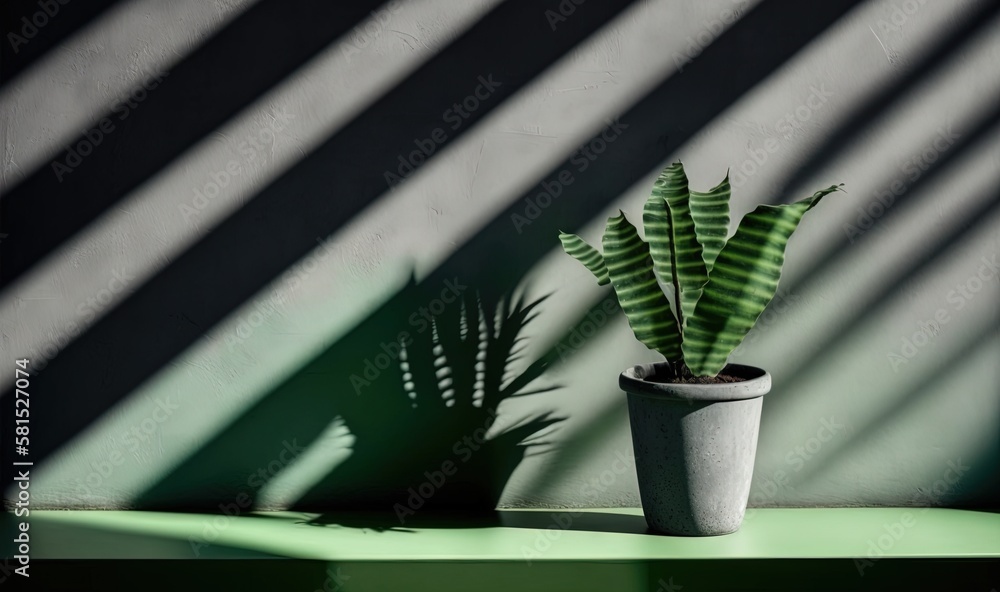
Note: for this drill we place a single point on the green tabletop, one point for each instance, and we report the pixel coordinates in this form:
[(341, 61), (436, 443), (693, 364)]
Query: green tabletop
[(832, 548), (539, 535)]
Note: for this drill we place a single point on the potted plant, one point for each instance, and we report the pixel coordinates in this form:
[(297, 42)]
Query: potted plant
[(694, 417)]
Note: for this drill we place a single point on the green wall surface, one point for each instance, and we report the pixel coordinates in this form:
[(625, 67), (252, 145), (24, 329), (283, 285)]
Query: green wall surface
[(883, 341)]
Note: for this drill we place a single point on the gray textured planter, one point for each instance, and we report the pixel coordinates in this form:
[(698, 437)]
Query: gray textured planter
[(694, 448)]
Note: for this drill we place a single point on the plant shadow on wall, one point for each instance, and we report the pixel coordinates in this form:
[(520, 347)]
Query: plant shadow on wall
[(200, 287), (416, 390), (429, 435)]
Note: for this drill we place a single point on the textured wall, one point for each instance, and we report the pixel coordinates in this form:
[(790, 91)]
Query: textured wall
[(883, 342)]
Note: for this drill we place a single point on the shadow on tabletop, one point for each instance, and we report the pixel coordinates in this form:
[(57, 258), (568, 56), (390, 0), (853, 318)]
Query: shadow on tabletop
[(559, 518)]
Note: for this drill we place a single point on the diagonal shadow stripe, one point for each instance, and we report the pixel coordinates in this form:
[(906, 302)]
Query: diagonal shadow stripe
[(982, 130), (860, 120), (28, 35), (199, 94), (905, 196), (865, 116), (309, 202), (931, 378), (934, 250), (766, 38), (586, 442)]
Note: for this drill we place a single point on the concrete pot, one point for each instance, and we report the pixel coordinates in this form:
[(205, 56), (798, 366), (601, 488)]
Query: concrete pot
[(694, 447)]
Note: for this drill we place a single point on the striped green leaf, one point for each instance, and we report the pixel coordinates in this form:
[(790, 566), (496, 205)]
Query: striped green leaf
[(586, 254), (710, 212), (656, 224), (685, 252), (743, 281), (631, 270)]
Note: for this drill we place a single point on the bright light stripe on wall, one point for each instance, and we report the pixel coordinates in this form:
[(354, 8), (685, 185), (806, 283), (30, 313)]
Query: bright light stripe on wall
[(153, 228), (60, 95)]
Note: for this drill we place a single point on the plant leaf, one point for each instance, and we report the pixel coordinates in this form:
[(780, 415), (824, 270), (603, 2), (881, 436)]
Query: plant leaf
[(631, 270), (742, 283), (586, 254), (656, 224), (689, 271), (710, 212)]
